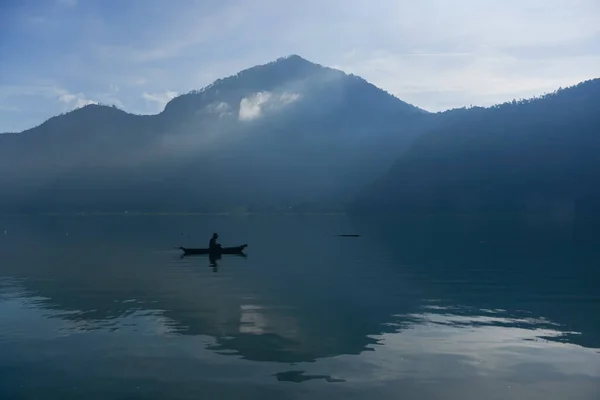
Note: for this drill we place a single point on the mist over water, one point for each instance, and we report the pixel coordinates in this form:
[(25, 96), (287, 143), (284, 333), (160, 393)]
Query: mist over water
[(105, 306)]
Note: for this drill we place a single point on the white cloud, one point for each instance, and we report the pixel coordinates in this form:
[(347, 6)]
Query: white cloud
[(218, 107), (221, 109), (74, 100), (84, 102), (288, 98), (53, 92), (67, 97), (161, 99), (251, 107)]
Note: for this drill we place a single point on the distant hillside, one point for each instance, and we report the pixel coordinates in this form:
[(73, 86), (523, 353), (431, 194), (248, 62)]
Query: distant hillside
[(532, 157), (288, 133)]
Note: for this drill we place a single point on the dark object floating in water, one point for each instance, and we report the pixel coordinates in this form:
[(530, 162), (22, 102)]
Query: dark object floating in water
[(299, 377), (349, 235), (222, 250)]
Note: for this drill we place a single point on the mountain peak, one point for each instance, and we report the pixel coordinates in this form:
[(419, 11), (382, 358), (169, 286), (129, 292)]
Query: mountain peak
[(288, 74), (287, 67), (260, 78), (283, 68), (294, 58), (81, 115), (97, 107)]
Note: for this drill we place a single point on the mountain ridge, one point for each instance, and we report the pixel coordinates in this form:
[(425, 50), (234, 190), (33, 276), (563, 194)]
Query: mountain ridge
[(244, 132), (196, 93), (289, 133), (296, 57), (301, 67), (534, 159)]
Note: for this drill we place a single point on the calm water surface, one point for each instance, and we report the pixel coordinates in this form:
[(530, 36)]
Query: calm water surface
[(105, 308)]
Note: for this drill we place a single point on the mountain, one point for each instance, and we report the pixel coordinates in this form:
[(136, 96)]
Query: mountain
[(537, 158), (287, 133)]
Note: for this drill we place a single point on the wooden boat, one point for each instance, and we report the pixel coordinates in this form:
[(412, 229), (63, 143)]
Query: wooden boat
[(219, 251)]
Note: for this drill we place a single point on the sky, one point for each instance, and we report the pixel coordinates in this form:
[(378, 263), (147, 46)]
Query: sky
[(57, 55)]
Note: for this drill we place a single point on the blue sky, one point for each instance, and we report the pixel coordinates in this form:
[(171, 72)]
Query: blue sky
[(56, 55)]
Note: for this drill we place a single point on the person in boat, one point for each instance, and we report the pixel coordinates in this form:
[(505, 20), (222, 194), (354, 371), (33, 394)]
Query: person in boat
[(212, 244)]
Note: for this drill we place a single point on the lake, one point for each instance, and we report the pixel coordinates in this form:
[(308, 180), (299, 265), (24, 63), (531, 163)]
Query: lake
[(105, 307)]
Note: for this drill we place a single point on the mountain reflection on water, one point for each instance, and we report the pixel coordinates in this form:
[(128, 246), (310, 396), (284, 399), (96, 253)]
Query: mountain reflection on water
[(115, 296)]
